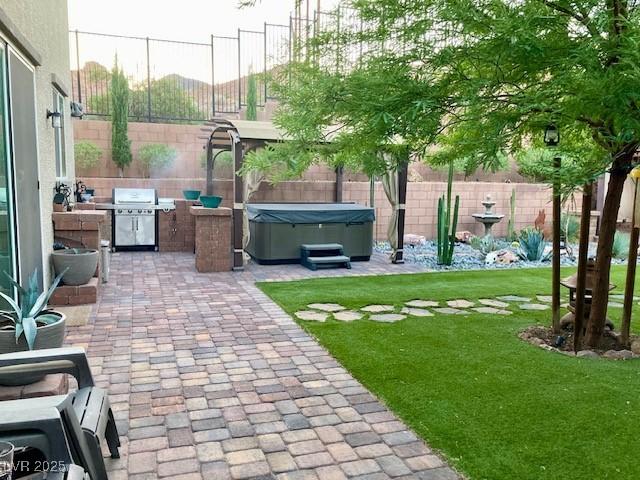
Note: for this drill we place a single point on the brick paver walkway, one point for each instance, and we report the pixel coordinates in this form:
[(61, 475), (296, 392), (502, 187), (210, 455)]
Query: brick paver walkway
[(209, 379)]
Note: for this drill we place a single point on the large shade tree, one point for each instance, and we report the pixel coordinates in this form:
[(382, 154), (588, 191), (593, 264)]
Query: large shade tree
[(477, 77)]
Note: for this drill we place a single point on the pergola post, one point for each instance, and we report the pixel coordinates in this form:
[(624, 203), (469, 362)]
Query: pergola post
[(238, 201), (632, 260), (402, 200), (339, 181), (581, 287), (209, 168), (557, 212)]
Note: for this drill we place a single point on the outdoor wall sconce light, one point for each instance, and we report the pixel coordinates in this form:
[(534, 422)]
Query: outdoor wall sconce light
[(551, 136), (56, 118)]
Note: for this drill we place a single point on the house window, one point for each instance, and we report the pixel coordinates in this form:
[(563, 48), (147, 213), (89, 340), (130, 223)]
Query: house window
[(61, 157)]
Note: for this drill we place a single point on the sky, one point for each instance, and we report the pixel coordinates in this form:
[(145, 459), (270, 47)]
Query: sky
[(183, 20), (187, 20)]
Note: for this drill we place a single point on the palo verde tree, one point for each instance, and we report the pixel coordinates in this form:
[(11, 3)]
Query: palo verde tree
[(513, 67), (479, 78)]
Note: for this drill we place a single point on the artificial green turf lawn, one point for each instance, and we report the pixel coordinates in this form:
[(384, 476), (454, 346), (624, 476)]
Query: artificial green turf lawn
[(495, 406)]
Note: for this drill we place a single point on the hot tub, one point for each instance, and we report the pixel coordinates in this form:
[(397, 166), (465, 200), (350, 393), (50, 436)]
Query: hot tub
[(277, 230)]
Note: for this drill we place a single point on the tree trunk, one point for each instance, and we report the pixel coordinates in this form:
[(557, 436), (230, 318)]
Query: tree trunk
[(121, 172), (608, 217)]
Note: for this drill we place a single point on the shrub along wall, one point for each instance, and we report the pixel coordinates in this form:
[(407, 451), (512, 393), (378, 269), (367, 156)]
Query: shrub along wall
[(317, 185), (422, 198), (188, 164)]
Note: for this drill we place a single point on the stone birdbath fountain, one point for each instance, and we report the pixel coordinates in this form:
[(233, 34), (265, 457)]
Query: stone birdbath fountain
[(488, 218)]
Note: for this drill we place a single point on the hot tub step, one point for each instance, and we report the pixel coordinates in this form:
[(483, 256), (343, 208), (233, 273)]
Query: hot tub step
[(335, 261), (321, 247)]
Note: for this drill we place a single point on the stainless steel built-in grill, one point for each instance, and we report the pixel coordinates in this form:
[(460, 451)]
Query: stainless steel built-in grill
[(134, 217), (135, 222)]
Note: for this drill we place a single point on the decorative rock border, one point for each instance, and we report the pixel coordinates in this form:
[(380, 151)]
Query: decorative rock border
[(527, 336)]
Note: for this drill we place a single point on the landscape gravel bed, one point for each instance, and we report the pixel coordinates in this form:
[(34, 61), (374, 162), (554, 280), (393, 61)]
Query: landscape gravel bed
[(466, 257)]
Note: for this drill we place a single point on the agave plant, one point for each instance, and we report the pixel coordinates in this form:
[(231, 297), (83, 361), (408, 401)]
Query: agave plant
[(27, 311), (487, 244), (532, 246)]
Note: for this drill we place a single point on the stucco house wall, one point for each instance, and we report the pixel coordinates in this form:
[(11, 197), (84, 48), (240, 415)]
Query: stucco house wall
[(44, 24)]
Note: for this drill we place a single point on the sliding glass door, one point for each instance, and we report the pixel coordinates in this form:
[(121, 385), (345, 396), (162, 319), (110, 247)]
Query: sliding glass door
[(7, 257), (24, 136)]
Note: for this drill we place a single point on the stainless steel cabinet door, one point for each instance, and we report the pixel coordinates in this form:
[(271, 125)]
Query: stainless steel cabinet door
[(125, 231), (146, 230)]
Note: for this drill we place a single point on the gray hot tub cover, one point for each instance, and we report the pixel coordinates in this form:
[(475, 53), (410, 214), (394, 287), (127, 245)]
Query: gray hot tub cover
[(299, 213)]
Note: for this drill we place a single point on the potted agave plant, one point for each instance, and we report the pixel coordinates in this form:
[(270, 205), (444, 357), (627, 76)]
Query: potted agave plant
[(29, 325)]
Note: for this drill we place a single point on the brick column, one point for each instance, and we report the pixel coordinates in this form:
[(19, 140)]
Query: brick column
[(213, 239)]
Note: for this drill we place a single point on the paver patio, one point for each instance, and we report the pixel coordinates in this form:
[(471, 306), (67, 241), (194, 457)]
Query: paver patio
[(210, 379)]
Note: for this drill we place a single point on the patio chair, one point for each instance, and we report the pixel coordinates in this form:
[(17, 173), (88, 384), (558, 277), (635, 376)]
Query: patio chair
[(48, 425), (86, 414)]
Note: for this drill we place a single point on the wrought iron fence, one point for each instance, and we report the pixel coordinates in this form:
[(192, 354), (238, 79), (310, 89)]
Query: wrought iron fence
[(177, 81)]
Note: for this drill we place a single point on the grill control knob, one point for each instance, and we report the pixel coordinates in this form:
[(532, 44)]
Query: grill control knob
[(128, 211), (119, 211), (139, 211)]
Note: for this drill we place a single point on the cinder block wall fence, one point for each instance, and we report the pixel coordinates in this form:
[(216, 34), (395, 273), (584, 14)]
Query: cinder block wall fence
[(317, 185)]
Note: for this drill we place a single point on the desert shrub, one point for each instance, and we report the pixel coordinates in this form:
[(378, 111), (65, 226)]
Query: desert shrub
[(487, 244), (155, 156), (620, 246), (532, 245), (570, 226), (223, 158), (87, 154)]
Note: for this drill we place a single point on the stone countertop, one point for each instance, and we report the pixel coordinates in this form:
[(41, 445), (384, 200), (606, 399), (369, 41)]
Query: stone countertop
[(210, 212), (81, 215)]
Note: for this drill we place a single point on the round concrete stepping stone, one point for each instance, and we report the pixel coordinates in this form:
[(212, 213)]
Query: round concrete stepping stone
[(616, 305), (387, 317), (544, 298), (491, 311), (326, 307), (514, 298), (493, 303), (460, 303), (422, 303), (417, 312), (450, 311), (347, 316), (534, 306), (312, 316), (378, 308)]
